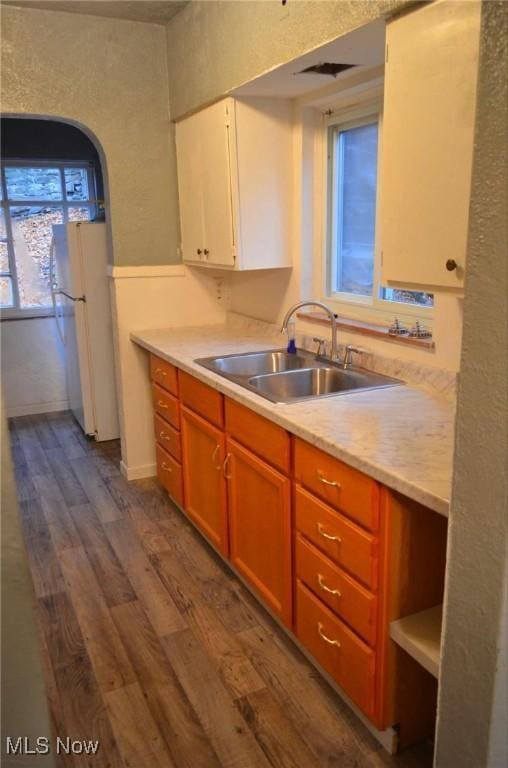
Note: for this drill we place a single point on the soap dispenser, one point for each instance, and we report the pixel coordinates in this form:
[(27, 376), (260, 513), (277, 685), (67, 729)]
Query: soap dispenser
[(291, 331)]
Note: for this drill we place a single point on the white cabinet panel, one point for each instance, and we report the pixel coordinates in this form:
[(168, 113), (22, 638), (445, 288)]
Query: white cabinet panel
[(235, 184), (428, 133)]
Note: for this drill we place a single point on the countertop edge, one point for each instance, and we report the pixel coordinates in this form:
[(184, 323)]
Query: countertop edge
[(236, 392)]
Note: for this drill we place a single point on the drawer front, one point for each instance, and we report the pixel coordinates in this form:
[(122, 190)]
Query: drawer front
[(345, 543), (168, 437), (202, 399), (344, 488), (169, 473), (259, 435), (351, 602), (166, 405), (347, 659), (164, 374)]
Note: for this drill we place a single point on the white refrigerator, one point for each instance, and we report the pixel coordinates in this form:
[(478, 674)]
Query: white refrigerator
[(82, 305)]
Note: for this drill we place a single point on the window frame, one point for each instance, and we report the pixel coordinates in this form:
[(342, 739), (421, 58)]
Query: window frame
[(92, 202), (368, 308)]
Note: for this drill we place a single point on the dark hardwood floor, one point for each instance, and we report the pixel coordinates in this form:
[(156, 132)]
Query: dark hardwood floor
[(150, 644)]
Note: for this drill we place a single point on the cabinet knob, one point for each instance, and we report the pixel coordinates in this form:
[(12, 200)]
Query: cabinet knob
[(206, 251), (199, 251), (451, 264)]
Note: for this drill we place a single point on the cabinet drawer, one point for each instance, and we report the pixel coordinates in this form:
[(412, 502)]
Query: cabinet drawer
[(166, 405), (202, 399), (345, 543), (344, 656), (351, 602), (344, 488), (267, 440), (164, 373), (168, 437), (169, 473)]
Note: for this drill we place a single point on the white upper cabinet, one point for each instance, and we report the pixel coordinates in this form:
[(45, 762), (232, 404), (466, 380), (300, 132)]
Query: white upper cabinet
[(235, 184), (427, 152)]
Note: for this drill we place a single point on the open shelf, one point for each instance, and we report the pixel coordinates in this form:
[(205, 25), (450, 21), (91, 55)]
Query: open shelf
[(420, 636)]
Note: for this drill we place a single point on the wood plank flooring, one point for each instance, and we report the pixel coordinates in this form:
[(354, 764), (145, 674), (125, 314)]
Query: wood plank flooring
[(150, 644)]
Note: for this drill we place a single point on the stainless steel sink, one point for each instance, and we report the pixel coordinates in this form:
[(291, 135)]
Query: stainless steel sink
[(256, 363), (315, 382), (284, 378)]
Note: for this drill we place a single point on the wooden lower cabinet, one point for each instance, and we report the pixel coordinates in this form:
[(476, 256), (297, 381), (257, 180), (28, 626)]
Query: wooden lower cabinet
[(363, 555), (260, 527), (336, 648), (169, 473), (203, 454)]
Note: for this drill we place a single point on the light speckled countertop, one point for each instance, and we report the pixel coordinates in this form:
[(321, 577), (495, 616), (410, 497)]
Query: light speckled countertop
[(401, 436)]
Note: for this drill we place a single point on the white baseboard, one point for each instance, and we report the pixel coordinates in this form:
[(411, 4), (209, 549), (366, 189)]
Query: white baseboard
[(138, 473), (33, 408)]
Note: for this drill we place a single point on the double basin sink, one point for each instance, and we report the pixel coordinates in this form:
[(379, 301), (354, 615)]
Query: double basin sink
[(284, 377)]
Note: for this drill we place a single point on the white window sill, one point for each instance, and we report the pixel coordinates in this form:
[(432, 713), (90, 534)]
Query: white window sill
[(378, 330), (26, 314)]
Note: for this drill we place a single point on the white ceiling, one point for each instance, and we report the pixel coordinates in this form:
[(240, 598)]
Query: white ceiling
[(364, 47), (151, 11)]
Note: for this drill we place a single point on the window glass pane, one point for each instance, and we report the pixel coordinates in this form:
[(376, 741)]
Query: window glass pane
[(80, 214), (4, 257), (33, 183), (76, 184), (355, 209), (3, 231), (6, 298), (32, 233), (418, 298)]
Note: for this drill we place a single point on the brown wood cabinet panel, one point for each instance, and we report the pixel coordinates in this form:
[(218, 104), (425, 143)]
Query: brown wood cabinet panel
[(202, 399), (203, 449), (168, 437), (262, 437), (351, 602), (341, 486), (164, 374), (166, 405), (260, 526), (169, 473), (339, 651), (345, 543)]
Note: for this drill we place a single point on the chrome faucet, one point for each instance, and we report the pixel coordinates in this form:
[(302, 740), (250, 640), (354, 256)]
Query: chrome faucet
[(333, 321)]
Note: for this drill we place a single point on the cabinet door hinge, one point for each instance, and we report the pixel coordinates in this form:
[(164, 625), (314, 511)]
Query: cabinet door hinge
[(386, 54)]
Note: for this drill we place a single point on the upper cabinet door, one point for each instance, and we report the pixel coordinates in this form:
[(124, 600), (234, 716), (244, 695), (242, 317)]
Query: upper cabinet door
[(235, 183), (190, 190), (217, 147), (427, 151)]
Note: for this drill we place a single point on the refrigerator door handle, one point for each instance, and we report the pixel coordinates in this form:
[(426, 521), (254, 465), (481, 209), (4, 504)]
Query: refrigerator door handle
[(68, 296)]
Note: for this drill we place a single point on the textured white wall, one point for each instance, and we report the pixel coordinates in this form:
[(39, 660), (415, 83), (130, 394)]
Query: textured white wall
[(214, 47), (111, 77), (32, 367), (472, 656)]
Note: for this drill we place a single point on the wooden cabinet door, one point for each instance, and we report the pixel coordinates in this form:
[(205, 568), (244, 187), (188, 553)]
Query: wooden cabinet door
[(260, 527), (190, 190), (427, 151), (203, 449), (217, 146)]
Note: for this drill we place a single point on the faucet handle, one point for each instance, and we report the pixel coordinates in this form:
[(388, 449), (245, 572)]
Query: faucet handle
[(348, 354), (320, 342)]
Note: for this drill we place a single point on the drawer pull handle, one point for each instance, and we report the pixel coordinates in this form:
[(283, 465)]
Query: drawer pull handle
[(224, 467), (214, 456), (326, 535), (163, 436), (166, 467), (159, 370), (325, 638), (161, 404), (323, 586), (323, 480)]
